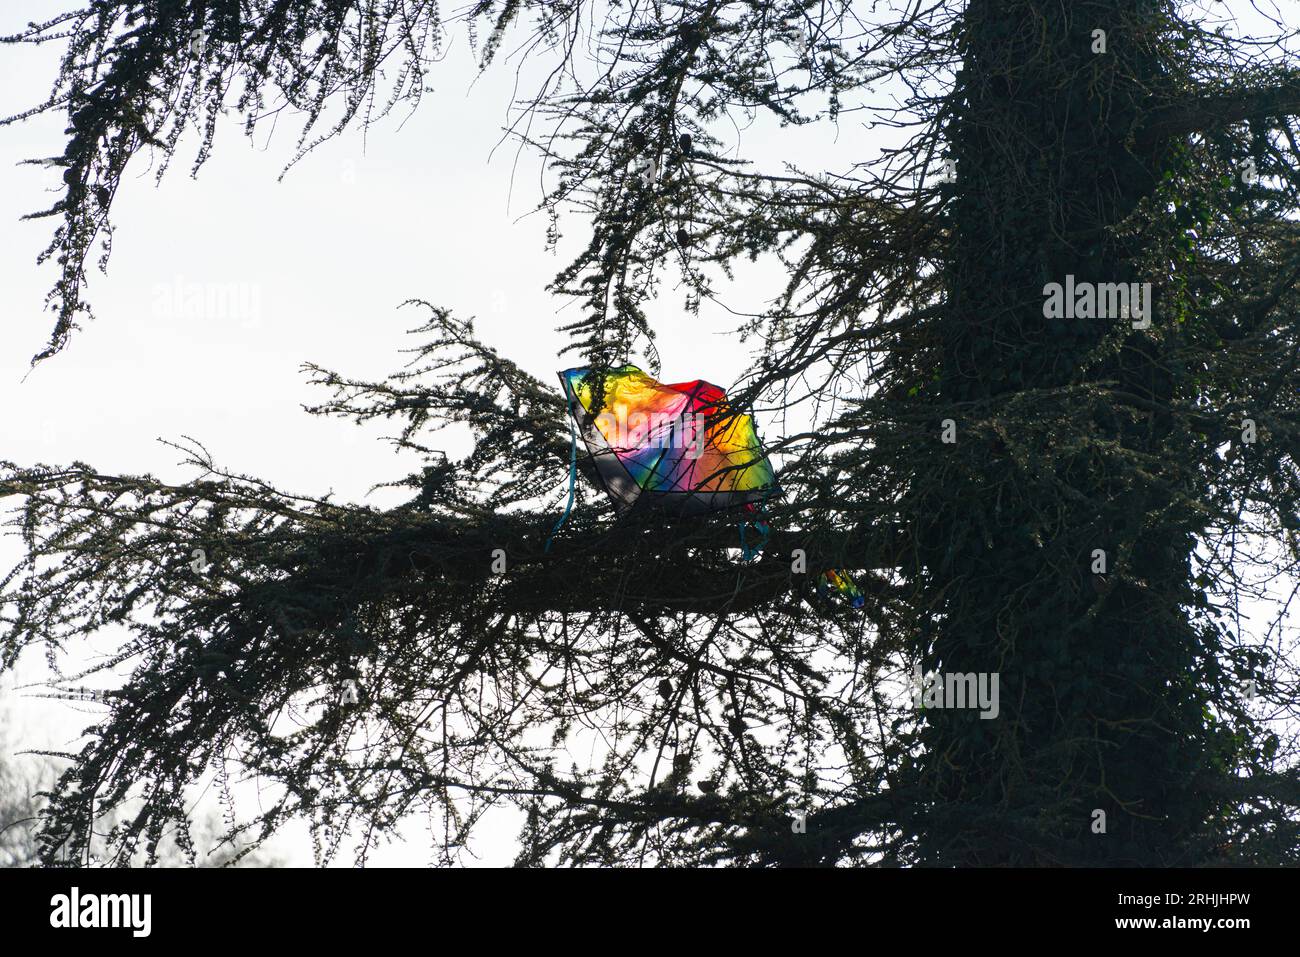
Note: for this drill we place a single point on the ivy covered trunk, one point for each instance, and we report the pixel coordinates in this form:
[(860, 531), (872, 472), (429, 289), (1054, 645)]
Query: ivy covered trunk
[(1058, 555)]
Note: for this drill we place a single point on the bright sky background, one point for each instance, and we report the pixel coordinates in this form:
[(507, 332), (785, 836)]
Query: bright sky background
[(315, 267)]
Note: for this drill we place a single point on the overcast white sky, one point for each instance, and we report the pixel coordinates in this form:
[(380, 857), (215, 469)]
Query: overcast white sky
[(314, 267)]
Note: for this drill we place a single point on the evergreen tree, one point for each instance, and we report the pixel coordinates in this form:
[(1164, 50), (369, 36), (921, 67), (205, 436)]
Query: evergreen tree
[(1042, 353)]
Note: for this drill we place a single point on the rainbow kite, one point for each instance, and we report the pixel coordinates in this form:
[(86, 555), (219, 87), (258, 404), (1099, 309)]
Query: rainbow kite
[(677, 445)]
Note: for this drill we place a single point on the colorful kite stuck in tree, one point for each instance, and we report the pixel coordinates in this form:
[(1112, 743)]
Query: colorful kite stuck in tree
[(841, 583), (678, 446)]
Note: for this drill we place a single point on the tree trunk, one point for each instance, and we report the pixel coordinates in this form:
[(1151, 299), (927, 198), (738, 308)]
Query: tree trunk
[(1098, 714)]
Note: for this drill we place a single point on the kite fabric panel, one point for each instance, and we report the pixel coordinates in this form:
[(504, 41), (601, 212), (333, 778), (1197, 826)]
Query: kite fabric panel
[(837, 581), (672, 445)]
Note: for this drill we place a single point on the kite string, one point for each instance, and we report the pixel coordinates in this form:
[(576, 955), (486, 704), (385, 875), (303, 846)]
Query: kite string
[(573, 478)]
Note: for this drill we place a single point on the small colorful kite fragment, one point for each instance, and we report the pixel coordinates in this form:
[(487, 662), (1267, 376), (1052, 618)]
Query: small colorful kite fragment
[(841, 583), (674, 445)]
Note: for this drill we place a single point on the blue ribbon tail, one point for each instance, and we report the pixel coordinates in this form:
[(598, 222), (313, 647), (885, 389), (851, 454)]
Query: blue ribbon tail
[(745, 551), (763, 529)]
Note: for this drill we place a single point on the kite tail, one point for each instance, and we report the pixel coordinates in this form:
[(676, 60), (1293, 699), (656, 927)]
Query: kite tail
[(841, 583), (573, 481), (760, 526)]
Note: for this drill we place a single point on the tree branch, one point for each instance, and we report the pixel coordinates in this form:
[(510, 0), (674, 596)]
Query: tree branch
[(1205, 113)]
